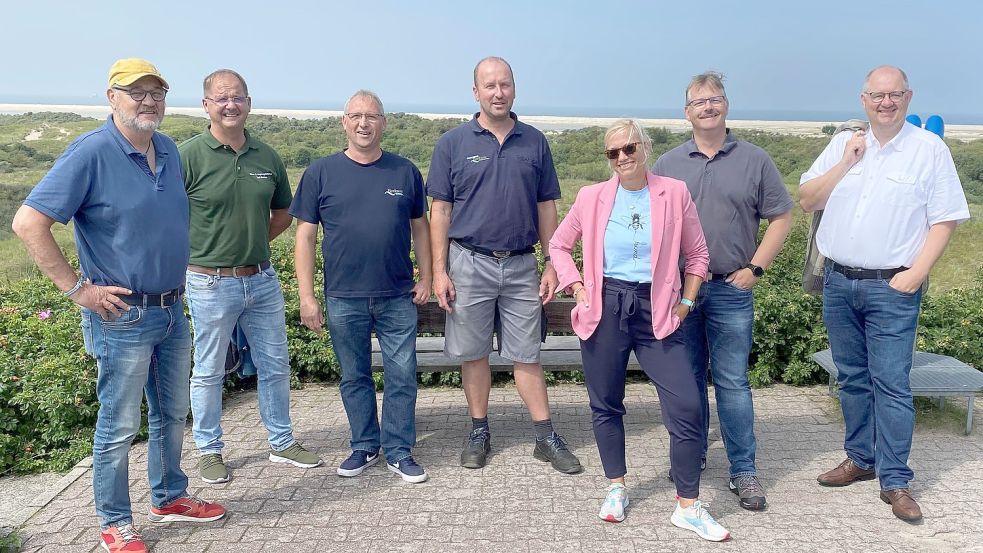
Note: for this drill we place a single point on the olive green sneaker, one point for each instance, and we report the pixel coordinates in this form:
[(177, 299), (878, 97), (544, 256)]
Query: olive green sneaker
[(212, 468), (296, 455)]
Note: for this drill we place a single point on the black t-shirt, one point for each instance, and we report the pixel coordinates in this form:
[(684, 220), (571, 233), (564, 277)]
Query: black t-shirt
[(365, 211)]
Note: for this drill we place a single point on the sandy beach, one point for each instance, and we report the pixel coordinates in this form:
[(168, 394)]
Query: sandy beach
[(542, 122)]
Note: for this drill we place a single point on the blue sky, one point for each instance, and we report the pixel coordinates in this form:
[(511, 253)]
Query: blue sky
[(569, 57)]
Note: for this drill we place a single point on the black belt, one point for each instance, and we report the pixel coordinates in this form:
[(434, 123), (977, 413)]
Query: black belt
[(710, 276), (166, 299), (855, 273), (499, 254)]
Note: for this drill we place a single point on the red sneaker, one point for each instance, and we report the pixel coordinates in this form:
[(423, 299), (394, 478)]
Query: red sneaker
[(189, 509), (123, 539)]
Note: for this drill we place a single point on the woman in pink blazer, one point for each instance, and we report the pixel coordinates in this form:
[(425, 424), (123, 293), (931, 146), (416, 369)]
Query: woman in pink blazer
[(634, 228)]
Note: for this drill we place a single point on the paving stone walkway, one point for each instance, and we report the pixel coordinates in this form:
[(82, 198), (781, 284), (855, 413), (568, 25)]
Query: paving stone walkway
[(518, 504)]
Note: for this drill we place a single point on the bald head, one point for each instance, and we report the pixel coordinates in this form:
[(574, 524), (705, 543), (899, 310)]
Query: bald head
[(885, 70), (495, 60)]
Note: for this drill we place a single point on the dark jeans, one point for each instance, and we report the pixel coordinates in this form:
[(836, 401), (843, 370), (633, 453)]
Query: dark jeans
[(626, 326), (872, 336)]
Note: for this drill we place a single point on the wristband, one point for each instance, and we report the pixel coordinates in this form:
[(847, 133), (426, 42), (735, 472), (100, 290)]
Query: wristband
[(76, 288), (546, 259), (687, 302)]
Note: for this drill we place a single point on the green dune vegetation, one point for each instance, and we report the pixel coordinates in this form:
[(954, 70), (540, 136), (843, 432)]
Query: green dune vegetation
[(47, 382)]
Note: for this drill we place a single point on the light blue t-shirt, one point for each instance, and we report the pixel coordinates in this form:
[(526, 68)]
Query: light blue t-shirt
[(628, 237)]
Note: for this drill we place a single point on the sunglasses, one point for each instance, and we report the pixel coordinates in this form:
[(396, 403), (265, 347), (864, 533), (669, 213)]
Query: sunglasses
[(628, 149)]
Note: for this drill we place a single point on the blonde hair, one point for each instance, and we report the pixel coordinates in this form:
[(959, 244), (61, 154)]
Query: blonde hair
[(633, 129)]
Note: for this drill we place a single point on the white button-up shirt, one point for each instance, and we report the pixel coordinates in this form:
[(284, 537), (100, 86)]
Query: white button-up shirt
[(878, 215)]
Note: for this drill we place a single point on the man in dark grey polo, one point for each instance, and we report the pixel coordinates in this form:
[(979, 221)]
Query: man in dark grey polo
[(735, 185), (494, 188)]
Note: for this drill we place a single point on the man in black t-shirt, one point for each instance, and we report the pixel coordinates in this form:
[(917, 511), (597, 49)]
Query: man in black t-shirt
[(370, 204)]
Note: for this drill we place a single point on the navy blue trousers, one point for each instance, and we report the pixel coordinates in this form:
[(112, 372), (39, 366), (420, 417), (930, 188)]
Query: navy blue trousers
[(626, 326)]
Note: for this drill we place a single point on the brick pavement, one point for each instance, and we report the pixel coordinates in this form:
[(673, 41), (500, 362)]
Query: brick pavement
[(518, 504)]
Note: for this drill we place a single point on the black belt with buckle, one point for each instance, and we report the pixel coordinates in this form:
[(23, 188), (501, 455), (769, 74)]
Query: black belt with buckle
[(710, 276), (855, 273), (498, 254), (166, 299)]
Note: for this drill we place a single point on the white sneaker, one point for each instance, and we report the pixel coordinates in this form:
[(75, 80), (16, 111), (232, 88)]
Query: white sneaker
[(613, 508), (698, 519)]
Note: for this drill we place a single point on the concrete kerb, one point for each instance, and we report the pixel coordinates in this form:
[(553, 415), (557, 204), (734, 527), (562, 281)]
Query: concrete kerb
[(40, 501)]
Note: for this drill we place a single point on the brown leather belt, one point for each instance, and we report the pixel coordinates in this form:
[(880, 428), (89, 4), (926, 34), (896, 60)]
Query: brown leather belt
[(237, 272)]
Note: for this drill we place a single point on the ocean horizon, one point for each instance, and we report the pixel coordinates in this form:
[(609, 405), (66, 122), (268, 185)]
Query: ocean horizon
[(819, 116)]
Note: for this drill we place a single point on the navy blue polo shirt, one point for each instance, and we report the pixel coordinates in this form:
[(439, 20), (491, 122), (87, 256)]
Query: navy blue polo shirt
[(365, 211), (495, 188), (131, 224)]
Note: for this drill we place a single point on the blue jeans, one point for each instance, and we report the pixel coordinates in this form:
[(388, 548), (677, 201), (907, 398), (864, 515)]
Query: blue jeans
[(144, 351), (255, 302), (871, 330), (718, 333), (350, 321)]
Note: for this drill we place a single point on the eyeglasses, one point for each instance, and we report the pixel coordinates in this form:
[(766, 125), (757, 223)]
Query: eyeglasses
[(138, 94), (700, 102), (370, 118), (878, 97), (628, 149), (226, 100)]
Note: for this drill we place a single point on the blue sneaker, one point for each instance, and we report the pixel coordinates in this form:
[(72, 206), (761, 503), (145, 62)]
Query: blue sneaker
[(613, 508), (698, 519), (357, 462), (408, 470)]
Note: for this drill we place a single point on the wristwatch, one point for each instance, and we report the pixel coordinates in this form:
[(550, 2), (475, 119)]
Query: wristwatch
[(755, 270)]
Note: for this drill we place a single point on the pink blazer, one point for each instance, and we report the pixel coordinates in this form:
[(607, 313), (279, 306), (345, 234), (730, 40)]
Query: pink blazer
[(680, 233)]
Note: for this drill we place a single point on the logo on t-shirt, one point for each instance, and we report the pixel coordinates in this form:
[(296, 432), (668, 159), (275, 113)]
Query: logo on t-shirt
[(476, 159), (261, 175), (394, 192)]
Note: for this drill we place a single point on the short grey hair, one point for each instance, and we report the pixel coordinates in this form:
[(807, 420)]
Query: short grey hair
[(207, 84), (366, 94), (634, 129), (709, 79), (904, 76), (492, 58)]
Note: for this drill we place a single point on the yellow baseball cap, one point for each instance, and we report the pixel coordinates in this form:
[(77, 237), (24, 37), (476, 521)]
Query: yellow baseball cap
[(128, 70)]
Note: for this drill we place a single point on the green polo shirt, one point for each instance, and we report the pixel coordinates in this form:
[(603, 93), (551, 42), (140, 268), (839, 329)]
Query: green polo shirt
[(231, 195)]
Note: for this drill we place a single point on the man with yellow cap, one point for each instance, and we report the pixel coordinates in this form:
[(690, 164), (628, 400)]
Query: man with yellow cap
[(122, 186)]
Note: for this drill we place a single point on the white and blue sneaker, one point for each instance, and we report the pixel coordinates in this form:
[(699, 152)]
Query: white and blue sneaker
[(357, 462), (408, 470), (698, 519), (613, 508)]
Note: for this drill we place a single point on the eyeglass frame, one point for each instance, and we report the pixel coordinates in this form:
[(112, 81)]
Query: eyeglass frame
[(226, 100), (698, 103), (370, 118), (162, 91), (616, 152), (870, 95)]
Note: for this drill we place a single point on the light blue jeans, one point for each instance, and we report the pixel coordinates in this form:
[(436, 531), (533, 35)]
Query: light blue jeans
[(144, 351), (351, 321), (871, 330), (255, 302), (718, 333)]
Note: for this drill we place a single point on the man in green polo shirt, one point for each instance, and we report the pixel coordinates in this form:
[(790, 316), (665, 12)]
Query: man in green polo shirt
[(238, 193)]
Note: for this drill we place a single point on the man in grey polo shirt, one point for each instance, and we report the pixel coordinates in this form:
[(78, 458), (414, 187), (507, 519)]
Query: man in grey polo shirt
[(735, 185), (494, 188)]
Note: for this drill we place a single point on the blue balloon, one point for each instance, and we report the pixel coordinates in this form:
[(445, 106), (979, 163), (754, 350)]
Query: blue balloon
[(914, 120), (935, 124)]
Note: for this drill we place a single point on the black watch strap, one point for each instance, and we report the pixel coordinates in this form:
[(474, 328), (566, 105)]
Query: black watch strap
[(755, 270)]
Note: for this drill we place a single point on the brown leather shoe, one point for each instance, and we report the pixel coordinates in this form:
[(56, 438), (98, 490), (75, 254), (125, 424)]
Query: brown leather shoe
[(844, 474), (902, 504)]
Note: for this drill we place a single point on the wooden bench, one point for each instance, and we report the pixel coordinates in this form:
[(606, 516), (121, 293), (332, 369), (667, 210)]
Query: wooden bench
[(932, 375), (560, 352)]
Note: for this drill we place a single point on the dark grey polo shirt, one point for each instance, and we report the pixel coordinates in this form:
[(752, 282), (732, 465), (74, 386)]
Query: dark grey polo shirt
[(733, 191), (495, 188)]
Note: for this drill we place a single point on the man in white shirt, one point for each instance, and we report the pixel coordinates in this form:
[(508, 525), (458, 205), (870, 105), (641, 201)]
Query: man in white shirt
[(891, 199)]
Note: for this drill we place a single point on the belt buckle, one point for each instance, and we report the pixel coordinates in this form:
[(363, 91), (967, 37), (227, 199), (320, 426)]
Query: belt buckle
[(164, 297), (501, 254)]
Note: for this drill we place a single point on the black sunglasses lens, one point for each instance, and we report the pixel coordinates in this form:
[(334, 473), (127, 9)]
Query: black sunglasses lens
[(629, 149), (611, 154)]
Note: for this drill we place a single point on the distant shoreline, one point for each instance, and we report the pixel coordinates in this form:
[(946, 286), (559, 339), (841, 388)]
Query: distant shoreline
[(542, 122)]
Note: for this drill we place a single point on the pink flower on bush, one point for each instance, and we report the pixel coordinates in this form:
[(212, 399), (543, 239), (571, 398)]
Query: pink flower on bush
[(44, 315)]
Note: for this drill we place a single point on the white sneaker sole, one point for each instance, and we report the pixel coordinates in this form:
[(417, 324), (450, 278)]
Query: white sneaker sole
[(681, 523), (160, 519), (612, 518), (406, 477), (277, 459), (348, 473), (216, 481)]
